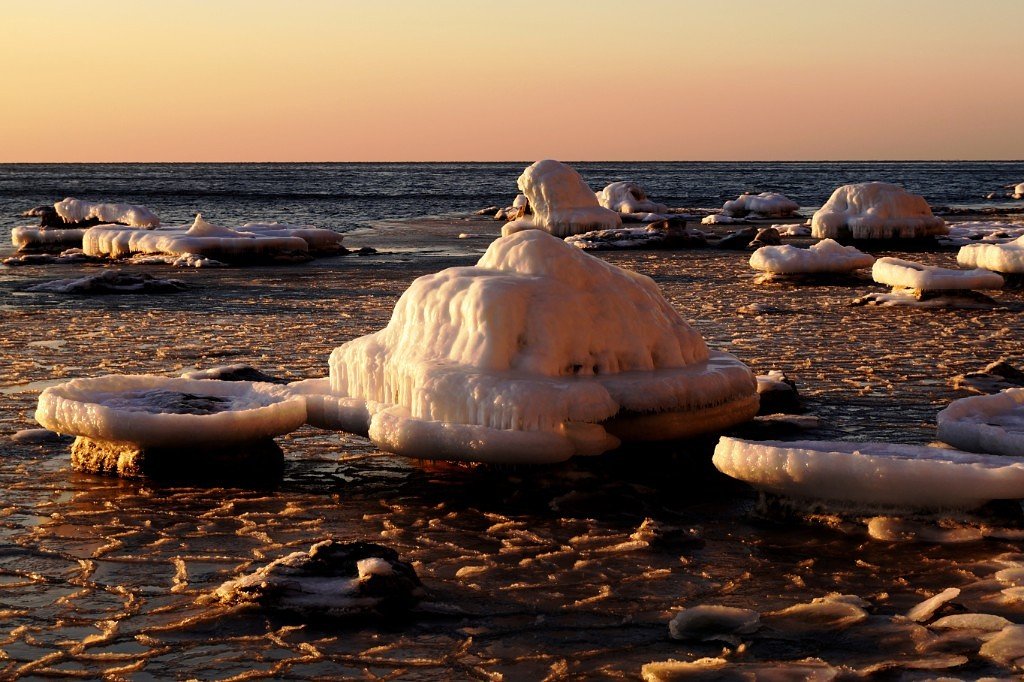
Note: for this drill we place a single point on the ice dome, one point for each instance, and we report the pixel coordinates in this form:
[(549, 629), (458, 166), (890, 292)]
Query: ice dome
[(1006, 258), (985, 423), (561, 201), (628, 197), (538, 353), (874, 474), (827, 256), (75, 211), (765, 204), (875, 210)]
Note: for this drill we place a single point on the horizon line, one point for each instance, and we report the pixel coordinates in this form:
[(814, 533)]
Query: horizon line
[(514, 161)]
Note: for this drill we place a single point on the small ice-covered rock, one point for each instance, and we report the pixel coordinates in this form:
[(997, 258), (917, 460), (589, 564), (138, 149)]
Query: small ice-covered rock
[(236, 372), (490, 211), (65, 257), (76, 211), (905, 274), (995, 377), (875, 210), (985, 423), (720, 219), (30, 238), (712, 622), (777, 393), (766, 236), (793, 230), (561, 201), (537, 353), (763, 205), (827, 256), (110, 282), (926, 609), (335, 579), (1006, 258), (872, 474), (1018, 191), (670, 233), (628, 197), (909, 298)]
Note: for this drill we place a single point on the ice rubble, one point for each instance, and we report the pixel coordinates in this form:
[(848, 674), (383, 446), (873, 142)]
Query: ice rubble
[(538, 353), (1006, 258), (987, 232), (875, 210), (827, 256), (561, 201), (76, 211), (763, 205), (904, 274), (874, 474), (988, 423), (206, 240), (628, 197)]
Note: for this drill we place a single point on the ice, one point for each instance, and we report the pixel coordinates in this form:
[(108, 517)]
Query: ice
[(910, 275), (827, 256), (712, 622), (926, 609), (110, 282), (539, 352), (875, 210), (872, 474), (1006, 258), (161, 412), (671, 233), (832, 612), (1018, 191), (792, 230), (985, 423), (628, 197), (970, 232), (763, 205), (984, 622), (75, 211), (27, 238), (720, 219), (1007, 646), (722, 670), (561, 201), (327, 411)]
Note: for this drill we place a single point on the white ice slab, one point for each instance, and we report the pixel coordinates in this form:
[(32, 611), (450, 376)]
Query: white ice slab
[(985, 423)]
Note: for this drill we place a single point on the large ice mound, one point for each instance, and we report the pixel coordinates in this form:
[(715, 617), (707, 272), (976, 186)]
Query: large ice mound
[(161, 412), (875, 210), (876, 474), (76, 211), (538, 353), (763, 205), (989, 423), (628, 197), (561, 201), (827, 256), (1006, 258)]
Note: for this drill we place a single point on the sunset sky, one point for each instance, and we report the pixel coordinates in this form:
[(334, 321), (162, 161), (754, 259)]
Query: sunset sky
[(226, 80)]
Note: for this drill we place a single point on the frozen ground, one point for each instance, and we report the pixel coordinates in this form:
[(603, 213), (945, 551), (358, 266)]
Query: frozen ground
[(573, 569)]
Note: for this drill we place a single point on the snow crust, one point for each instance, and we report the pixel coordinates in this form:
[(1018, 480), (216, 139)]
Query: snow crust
[(875, 210), (75, 211), (1006, 258), (562, 202), (910, 275), (628, 197), (530, 354), (985, 423), (882, 474), (827, 256), (763, 205), (154, 411), (27, 237)]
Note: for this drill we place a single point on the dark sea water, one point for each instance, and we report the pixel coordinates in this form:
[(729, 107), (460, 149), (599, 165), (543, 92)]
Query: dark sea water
[(347, 195)]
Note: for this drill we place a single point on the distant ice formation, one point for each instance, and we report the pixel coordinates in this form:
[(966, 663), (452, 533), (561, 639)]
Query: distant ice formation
[(989, 423), (561, 201), (628, 197), (875, 210), (76, 211), (827, 256), (538, 353), (1006, 258), (872, 474), (763, 205)]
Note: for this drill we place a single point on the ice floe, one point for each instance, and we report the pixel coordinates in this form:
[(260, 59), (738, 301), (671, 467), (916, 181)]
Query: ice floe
[(827, 256), (711, 622), (904, 274), (111, 282), (628, 197), (538, 353), (875, 210), (1006, 258), (763, 205), (985, 423), (925, 610), (724, 670), (872, 474), (561, 201)]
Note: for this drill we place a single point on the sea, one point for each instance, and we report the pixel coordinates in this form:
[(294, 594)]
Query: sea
[(571, 571)]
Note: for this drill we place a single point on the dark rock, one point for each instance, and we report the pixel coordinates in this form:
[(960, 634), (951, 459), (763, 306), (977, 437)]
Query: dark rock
[(738, 240), (994, 378), (365, 251), (38, 211), (258, 459), (778, 394), (489, 211), (767, 236), (234, 373)]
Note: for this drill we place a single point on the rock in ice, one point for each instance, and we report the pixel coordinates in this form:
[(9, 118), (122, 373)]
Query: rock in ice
[(875, 210), (538, 353), (561, 201), (628, 197), (1006, 258), (985, 423), (872, 474), (763, 205), (827, 256)]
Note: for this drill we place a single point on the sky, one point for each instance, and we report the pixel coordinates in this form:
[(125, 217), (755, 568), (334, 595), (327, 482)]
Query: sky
[(462, 80)]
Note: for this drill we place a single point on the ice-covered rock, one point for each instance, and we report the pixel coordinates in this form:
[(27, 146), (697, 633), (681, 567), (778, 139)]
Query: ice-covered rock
[(793, 230), (721, 219), (996, 376), (537, 353), (777, 393), (763, 205), (712, 622), (905, 274), (111, 282), (1007, 258), (986, 232), (827, 256), (670, 233), (335, 579), (872, 474), (236, 372), (76, 211), (561, 201), (30, 238), (875, 210), (628, 197), (63, 258), (985, 423), (1018, 191)]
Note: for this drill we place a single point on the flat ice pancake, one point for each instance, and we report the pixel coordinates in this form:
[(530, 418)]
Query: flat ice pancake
[(875, 210), (161, 412), (910, 275), (827, 256), (562, 202), (989, 423), (1006, 258), (872, 474)]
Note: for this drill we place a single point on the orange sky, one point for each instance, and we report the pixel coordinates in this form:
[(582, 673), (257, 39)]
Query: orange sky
[(395, 80)]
